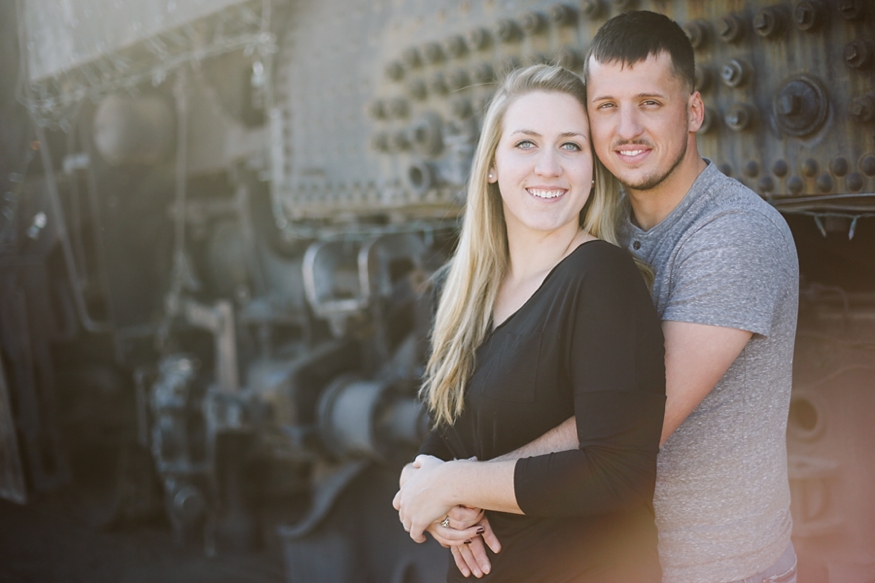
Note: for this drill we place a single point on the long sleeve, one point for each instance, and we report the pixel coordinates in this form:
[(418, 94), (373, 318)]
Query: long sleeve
[(615, 364)]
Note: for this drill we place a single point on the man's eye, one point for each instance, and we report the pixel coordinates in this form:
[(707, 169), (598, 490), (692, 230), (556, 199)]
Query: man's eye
[(606, 106)]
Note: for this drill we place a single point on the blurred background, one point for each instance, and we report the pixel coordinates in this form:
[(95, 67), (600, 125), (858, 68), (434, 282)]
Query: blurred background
[(217, 223)]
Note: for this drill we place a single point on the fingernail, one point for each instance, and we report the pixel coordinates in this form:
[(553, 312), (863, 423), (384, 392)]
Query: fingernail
[(468, 542), (481, 530)]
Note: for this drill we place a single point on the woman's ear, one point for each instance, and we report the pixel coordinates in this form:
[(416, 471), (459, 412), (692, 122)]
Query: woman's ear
[(492, 176)]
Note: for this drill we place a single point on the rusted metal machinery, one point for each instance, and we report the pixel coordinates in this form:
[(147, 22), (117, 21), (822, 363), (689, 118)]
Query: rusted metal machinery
[(217, 219)]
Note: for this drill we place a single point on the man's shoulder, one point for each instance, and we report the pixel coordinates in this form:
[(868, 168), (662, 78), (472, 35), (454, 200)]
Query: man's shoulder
[(727, 206)]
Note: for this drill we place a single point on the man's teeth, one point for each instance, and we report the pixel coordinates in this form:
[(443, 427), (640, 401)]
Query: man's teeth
[(630, 152), (546, 193)]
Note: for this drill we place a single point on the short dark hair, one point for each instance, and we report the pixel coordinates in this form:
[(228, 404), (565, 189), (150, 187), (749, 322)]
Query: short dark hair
[(631, 37)]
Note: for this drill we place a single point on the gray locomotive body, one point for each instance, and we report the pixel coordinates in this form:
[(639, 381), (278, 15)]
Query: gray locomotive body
[(220, 219)]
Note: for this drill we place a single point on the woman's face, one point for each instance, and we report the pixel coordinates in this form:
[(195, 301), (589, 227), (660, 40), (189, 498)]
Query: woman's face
[(543, 163)]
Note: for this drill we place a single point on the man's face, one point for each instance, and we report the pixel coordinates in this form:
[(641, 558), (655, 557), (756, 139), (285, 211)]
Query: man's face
[(640, 116)]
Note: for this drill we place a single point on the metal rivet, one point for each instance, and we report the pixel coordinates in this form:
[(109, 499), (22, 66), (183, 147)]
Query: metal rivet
[(780, 168), (462, 108), (591, 8), (862, 109), (769, 22), (726, 169), (854, 182), (484, 73), (809, 15), (400, 141), (395, 71), (851, 9), (766, 184), (562, 14), (533, 22), (455, 46), (739, 116), (377, 109), (417, 90), (731, 28), (624, 4), (824, 183), (795, 185), (438, 84), (697, 32), (433, 53), (801, 106), (478, 39), (867, 165), (458, 79), (839, 166), (858, 54), (507, 30), (411, 57), (569, 58), (809, 167), (752, 168), (735, 73)]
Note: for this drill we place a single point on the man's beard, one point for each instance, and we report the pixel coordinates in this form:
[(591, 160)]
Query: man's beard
[(654, 180)]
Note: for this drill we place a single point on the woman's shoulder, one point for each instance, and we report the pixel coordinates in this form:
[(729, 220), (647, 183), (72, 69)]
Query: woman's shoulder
[(600, 257)]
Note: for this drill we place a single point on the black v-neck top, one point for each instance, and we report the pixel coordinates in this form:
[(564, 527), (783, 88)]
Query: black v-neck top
[(586, 343)]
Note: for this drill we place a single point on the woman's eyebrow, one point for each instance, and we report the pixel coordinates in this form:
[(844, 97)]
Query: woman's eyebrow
[(536, 134)]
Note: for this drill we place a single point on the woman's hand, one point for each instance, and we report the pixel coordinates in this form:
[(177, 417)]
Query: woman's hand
[(423, 499)]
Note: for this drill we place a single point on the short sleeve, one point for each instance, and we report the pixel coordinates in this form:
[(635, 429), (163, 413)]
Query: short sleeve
[(731, 272)]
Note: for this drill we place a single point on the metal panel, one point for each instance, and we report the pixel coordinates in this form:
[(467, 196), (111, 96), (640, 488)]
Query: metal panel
[(358, 80), (11, 474), (64, 34)]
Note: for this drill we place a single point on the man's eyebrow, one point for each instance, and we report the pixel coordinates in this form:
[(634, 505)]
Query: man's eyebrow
[(638, 96)]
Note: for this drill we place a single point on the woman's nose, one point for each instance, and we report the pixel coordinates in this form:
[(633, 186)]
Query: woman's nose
[(548, 164)]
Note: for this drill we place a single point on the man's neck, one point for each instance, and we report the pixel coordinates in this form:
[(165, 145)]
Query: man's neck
[(650, 207)]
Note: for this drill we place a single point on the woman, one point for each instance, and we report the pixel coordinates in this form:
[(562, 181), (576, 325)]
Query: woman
[(542, 317)]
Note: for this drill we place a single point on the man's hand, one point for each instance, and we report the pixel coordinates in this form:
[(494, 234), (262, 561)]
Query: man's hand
[(471, 557)]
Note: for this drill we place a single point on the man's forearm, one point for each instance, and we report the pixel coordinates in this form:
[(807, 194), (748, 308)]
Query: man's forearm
[(561, 438)]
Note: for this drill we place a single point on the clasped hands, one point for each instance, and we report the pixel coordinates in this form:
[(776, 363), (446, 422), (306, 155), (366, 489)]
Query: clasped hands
[(425, 501)]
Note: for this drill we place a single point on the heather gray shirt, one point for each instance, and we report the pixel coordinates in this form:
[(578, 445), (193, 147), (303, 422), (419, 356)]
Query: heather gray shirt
[(725, 257)]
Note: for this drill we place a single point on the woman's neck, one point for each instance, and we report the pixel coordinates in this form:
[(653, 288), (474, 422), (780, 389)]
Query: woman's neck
[(532, 256)]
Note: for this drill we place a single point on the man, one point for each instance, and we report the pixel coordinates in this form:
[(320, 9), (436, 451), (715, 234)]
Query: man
[(726, 289)]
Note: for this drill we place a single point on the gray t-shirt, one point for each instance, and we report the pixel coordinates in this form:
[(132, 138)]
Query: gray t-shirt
[(725, 257)]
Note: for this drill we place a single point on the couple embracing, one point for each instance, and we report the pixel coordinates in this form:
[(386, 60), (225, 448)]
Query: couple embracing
[(610, 375)]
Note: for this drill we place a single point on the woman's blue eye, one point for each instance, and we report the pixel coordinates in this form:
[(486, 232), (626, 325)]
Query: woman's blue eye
[(525, 144), (571, 146)]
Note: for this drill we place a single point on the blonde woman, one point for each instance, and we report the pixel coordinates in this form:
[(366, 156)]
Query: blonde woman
[(542, 317)]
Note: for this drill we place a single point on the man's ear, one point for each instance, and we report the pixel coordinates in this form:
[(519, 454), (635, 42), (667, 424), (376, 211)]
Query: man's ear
[(696, 112)]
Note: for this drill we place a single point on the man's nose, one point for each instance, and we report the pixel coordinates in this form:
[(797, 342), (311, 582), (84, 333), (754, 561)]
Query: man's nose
[(629, 124)]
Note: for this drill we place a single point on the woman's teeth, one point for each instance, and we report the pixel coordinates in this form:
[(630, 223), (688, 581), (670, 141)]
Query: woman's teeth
[(545, 193)]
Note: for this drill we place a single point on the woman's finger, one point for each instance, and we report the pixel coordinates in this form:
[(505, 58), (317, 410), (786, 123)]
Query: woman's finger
[(452, 537)]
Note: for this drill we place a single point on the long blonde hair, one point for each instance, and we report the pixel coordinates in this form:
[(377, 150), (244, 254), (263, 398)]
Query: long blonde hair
[(464, 313)]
